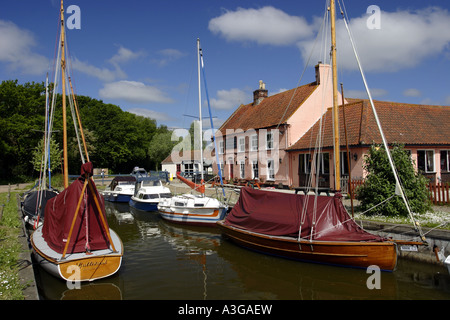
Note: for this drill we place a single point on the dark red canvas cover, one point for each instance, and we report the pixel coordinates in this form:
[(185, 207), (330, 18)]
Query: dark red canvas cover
[(59, 213), (281, 214)]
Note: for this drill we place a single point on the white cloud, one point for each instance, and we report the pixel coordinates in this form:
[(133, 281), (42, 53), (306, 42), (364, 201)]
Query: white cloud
[(123, 55), (404, 40), (103, 74), (158, 116), (229, 99), (266, 25), (134, 92), (16, 50), (412, 92), (167, 55)]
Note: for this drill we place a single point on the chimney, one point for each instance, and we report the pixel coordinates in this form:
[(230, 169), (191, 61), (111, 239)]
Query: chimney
[(260, 94), (318, 72)]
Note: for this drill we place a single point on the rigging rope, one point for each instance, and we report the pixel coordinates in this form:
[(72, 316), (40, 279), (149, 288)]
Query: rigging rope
[(397, 179)]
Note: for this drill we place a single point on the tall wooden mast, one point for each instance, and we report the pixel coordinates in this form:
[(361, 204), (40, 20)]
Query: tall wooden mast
[(63, 82), (337, 169)]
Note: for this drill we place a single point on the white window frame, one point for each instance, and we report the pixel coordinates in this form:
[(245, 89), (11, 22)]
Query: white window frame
[(242, 169), (270, 170), (254, 142), (241, 144), (426, 151), (255, 166), (269, 140), (221, 147)]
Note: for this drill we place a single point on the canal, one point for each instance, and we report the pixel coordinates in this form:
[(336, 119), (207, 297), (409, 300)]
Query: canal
[(164, 261)]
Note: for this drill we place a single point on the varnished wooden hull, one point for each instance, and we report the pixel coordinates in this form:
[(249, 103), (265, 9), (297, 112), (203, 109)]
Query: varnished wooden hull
[(80, 266), (349, 254)]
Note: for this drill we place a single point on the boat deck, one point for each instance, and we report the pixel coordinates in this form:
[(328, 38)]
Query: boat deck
[(41, 244)]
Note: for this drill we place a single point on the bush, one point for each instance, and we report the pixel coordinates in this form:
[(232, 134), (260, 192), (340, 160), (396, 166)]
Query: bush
[(380, 183)]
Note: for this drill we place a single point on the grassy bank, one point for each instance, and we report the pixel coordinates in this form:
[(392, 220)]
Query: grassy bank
[(10, 230)]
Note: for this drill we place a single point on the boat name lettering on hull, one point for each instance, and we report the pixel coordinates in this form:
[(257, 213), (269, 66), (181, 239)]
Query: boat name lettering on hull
[(91, 264)]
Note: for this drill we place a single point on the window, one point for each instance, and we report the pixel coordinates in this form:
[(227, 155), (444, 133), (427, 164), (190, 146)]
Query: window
[(269, 142), (221, 148), (241, 144), (255, 174), (304, 163), (270, 169), (445, 160), (254, 142), (344, 163), (230, 143), (188, 169), (324, 159), (242, 170), (425, 160)]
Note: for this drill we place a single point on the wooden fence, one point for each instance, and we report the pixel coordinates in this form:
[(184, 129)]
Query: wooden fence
[(439, 192)]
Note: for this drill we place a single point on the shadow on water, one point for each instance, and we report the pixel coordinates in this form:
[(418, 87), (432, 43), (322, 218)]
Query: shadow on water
[(166, 261)]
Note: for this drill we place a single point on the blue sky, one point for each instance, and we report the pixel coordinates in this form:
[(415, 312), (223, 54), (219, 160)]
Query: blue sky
[(141, 55)]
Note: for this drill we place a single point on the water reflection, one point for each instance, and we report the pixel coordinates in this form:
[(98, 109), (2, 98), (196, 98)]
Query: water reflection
[(168, 261)]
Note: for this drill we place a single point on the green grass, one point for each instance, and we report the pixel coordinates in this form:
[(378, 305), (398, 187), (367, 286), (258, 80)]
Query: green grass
[(10, 228), (437, 218)]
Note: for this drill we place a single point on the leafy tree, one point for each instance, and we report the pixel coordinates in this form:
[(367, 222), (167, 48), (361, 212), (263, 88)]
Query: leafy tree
[(160, 147), (380, 183), (55, 155), (115, 139)]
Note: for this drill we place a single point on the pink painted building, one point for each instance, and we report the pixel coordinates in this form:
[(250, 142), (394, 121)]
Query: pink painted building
[(254, 140), (272, 139)]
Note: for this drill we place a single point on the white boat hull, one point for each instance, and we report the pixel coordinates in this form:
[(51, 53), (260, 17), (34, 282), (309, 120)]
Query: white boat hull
[(192, 210), (77, 266)]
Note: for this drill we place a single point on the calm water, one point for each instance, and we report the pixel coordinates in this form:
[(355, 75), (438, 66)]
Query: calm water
[(167, 261)]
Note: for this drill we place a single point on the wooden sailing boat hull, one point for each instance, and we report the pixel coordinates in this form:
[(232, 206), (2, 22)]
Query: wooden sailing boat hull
[(79, 266), (348, 254)]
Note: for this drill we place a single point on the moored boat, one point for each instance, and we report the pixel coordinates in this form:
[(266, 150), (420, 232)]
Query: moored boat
[(270, 222), (75, 242), (33, 206), (195, 209), (149, 191), (192, 209), (313, 228), (120, 189)]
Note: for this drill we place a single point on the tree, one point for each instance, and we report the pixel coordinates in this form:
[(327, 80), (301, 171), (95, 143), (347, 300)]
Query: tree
[(55, 155), (160, 147), (380, 183)]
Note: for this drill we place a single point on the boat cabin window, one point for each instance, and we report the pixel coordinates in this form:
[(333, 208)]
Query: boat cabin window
[(151, 183), (165, 195)]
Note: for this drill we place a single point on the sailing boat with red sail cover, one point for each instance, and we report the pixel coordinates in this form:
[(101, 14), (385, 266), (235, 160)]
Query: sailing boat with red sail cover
[(75, 242), (312, 228)]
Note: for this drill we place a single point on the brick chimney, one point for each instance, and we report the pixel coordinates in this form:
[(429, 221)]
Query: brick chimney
[(318, 72), (260, 94)]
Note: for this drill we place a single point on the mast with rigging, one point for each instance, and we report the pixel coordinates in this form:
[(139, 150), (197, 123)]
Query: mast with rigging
[(337, 171), (63, 82)]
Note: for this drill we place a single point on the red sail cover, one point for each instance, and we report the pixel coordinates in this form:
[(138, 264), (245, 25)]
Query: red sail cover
[(280, 214), (59, 213)]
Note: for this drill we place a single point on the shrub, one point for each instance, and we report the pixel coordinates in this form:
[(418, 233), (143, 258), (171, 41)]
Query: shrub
[(380, 183)]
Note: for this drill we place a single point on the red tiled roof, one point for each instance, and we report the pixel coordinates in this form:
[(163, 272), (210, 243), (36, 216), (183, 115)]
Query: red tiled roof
[(408, 124), (270, 112)]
